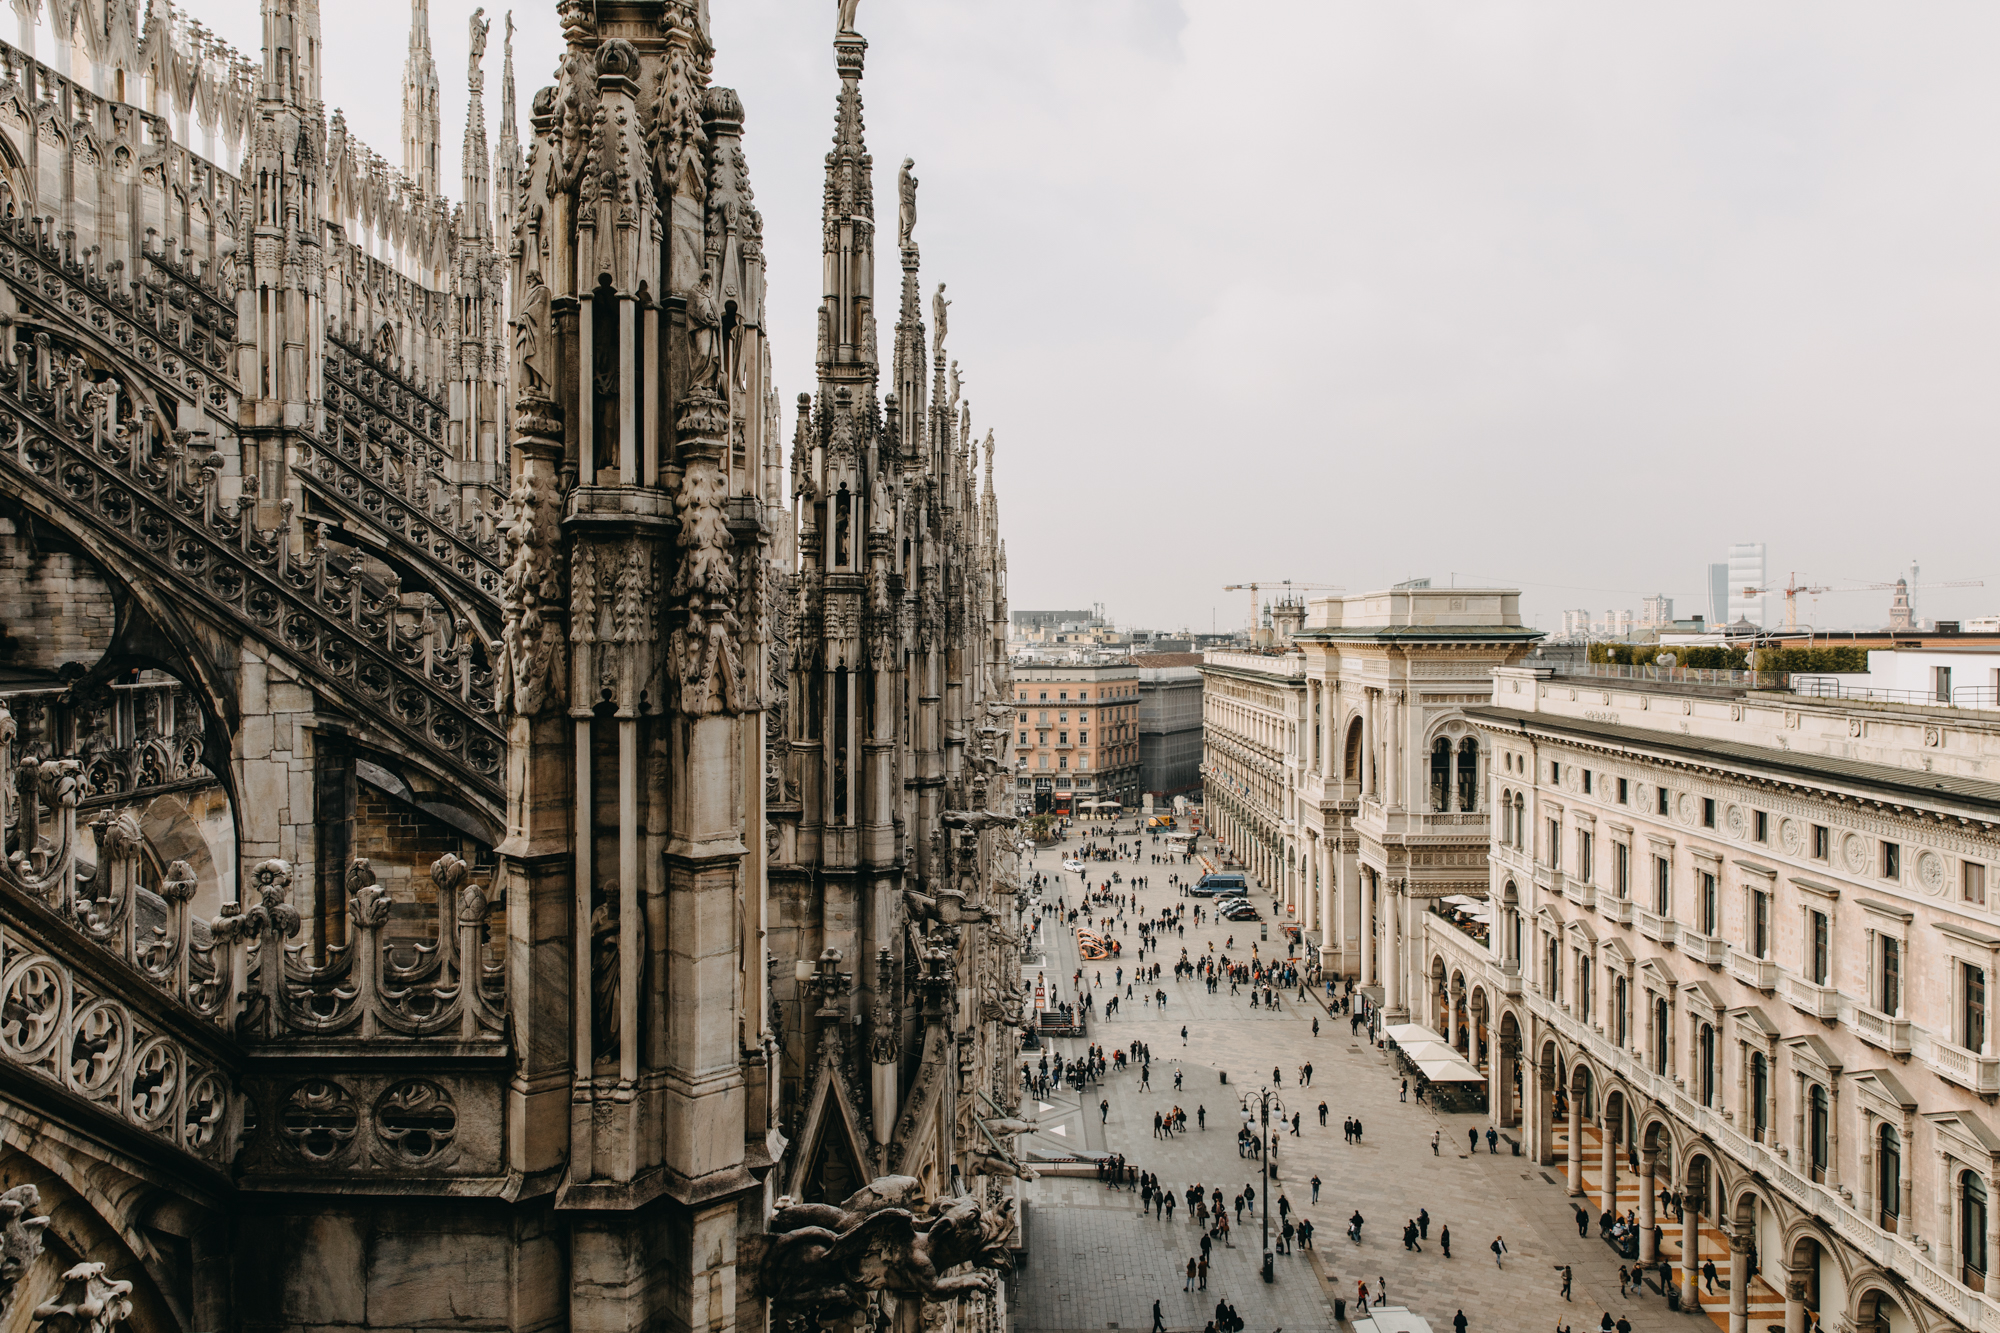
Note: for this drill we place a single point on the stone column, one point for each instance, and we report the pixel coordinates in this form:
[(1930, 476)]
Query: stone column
[(1607, 1187), (1392, 955), (1690, 1252), (1366, 888), (1575, 1144), (1739, 1281), (1649, 1184), (1795, 1303)]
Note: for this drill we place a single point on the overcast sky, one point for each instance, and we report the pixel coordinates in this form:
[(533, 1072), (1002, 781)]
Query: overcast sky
[(1561, 296)]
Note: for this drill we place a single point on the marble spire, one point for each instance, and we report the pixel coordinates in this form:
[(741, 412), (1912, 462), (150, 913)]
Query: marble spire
[(507, 152), (474, 220), (420, 103), (847, 315)]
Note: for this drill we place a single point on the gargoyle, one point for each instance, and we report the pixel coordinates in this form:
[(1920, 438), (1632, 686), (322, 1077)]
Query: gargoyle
[(947, 908), (1009, 1125), (978, 821), (987, 1162), (829, 1257)]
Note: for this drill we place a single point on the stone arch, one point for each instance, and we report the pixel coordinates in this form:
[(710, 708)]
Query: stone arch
[(1879, 1302), (1351, 764), (102, 1212), (1505, 1105), (1807, 1245)]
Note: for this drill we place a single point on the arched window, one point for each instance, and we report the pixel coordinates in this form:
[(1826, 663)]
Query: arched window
[(1760, 1088), (1441, 774), (1972, 1230), (1468, 774), (1520, 821), (1351, 765), (1506, 819), (1816, 1128), (1889, 1175)]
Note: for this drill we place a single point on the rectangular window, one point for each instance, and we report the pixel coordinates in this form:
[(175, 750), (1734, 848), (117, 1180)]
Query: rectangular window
[(1621, 1011), (1941, 683), (1024, 738), (1972, 883), (1621, 856), (1585, 855), (1890, 996), (1586, 782), (1062, 761), (1892, 861), (1062, 717), (1972, 1003), (1664, 799), (1760, 923), (1661, 885), (1555, 773), (1555, 844), (1821, 948), (1708, 904), (1760, 826), (1083, 716), (1062, 738), (1583, 996), (1083, 738), (1822, 842), (1624, 790), (1707, 812)]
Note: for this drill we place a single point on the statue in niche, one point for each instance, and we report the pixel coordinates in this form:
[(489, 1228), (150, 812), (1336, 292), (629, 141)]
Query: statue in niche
[(954, 387), (703, 334), (938, 308), (478, 26), (531, 335), (604, 980), (847, 8), (906, 189)]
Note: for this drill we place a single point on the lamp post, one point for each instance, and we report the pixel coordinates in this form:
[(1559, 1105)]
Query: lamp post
[(1264, 1099)]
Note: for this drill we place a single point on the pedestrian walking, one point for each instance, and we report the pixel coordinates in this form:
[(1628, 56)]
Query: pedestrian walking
[(1315, 1185), (1499, 1248), (1183, 1034), (1189, 1284), (1159, 1324), (1423, 1224), (1458, 1322), (1708, 1275), (1582, 1222), (1492, 1140), (1624, 1278), (1201, 1116), (1566, 1272), (1104, 1112), (1361, 1293), (1322, 1115), (1436, 1136), (1444, 1241), (1354, 1227), (1472, 1138), (1406, 1091), (1201, 1270)]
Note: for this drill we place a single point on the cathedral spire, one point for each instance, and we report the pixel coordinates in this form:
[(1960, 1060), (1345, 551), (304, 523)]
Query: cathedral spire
[(847, 316), (472, 159), (507, 154), (420, 103)]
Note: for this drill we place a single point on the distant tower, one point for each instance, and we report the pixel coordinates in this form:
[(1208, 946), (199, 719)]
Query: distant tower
[(1718, 593), (1901, 619), (420, 103)]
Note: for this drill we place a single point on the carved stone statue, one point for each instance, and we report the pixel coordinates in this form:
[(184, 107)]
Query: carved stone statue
[(938, 308), (604, 979), (847, 8), (531, 327), (477, 25), (704, 335), (906, 190), (89, 1302)]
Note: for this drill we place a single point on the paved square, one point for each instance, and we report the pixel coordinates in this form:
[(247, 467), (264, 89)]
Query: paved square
[(1095, 1263)]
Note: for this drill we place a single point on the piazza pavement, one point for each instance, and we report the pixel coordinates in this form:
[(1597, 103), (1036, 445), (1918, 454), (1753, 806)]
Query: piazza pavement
[(1095, 1264)]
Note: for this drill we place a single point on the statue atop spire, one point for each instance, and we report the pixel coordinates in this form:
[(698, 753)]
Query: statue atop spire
[(420, 104), (507, 152), (847, 316), (472, 157)]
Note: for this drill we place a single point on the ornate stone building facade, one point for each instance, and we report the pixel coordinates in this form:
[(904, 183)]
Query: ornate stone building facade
[(492, 844), (1743, 946)]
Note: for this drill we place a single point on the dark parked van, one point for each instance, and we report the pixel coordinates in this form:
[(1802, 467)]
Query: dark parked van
[(1227, 881)]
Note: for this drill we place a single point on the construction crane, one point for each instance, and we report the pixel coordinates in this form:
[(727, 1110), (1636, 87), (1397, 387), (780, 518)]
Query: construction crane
[(1276, 585), (1793, 588)]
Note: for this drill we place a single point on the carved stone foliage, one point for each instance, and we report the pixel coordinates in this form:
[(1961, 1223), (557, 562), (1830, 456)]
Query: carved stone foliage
[(705, 648), (535, 655)]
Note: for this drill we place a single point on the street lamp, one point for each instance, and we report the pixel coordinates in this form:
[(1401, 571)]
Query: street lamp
[(1263, 1100)]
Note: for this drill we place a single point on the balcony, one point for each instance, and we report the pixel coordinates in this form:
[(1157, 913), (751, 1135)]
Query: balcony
[(1510, 980), (1655, 927), (1878, 1029), (1616, 910), (1703, 948), (1968, 1069), (1580, 892), (1753, 971), (1819, 1001)]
